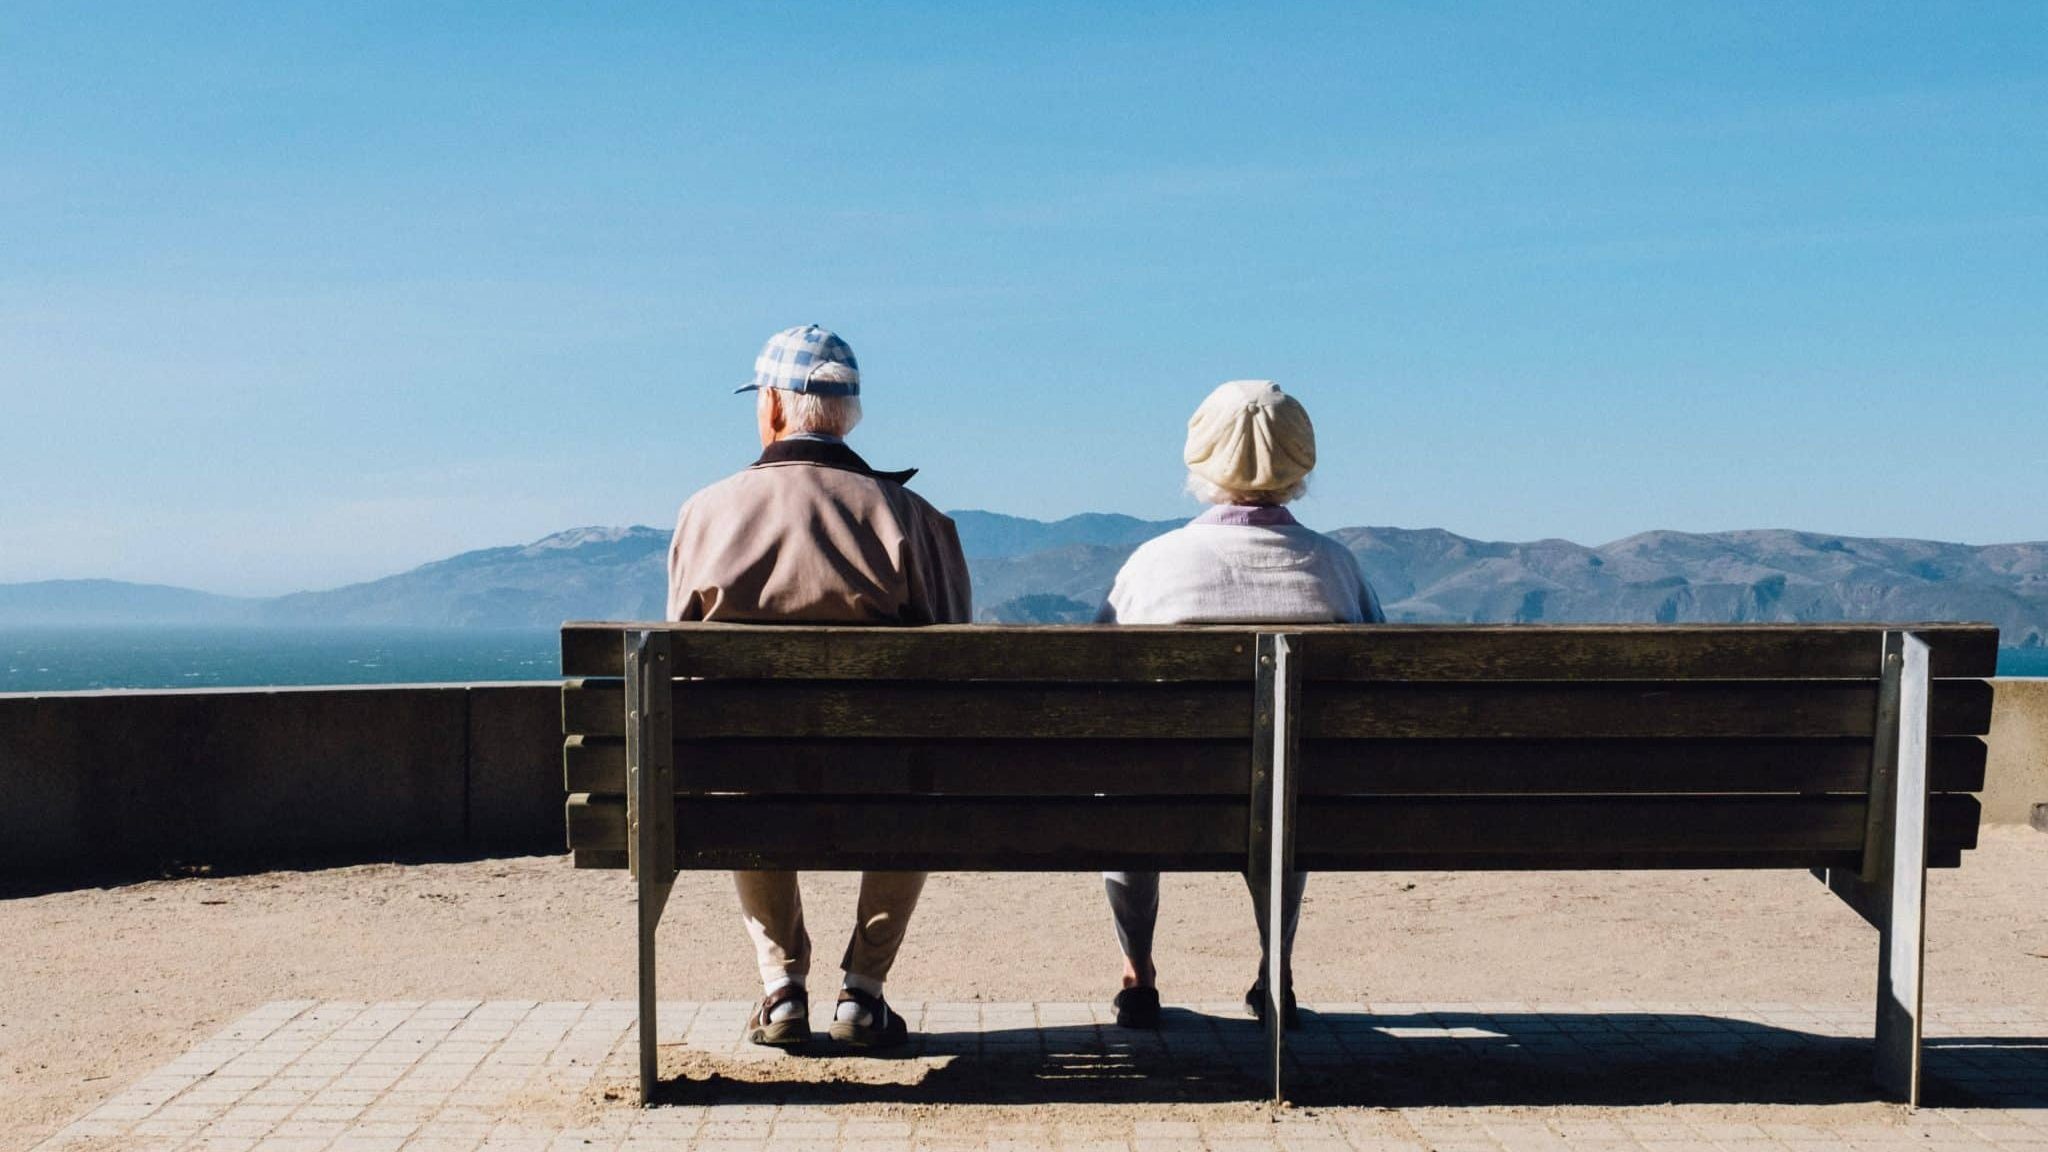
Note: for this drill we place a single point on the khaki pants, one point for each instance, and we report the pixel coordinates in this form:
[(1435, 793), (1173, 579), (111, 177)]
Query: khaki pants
[(774, 911)]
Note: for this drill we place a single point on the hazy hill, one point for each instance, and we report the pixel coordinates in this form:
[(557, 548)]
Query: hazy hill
[(1031, 571), (584, 573), (74, 603), (619, 574), (1723, 576), (994, 536)]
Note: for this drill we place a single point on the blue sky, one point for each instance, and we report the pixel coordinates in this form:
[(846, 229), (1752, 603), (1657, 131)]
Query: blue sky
[(292, 295)]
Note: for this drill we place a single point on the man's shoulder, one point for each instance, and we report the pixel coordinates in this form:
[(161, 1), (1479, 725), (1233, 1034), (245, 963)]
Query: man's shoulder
[(788, 479), (922, 508)]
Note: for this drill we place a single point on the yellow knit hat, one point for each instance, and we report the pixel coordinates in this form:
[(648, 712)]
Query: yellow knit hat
[(1249, 436)]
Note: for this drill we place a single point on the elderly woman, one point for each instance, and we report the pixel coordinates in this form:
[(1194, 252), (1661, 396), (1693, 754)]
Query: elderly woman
[(1246, 560)]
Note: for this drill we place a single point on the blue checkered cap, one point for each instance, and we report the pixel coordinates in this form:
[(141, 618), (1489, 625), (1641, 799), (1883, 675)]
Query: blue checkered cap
[(806, 359)]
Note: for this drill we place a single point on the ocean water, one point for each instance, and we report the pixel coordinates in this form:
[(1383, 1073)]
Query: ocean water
[(77, 659), (2023, 661)]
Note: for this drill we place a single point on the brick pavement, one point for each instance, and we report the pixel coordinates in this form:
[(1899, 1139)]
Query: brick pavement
[(464, 1076)]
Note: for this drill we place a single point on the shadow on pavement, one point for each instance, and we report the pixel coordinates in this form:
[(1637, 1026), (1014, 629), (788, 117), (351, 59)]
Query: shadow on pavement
[(1444, 1059)]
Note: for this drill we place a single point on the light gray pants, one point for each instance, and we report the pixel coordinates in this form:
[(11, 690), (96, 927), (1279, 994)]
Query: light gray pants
[(1134, 902)]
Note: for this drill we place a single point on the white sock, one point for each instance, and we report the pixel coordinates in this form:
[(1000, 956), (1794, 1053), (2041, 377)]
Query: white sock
[(852, 1013), (788, 1009)]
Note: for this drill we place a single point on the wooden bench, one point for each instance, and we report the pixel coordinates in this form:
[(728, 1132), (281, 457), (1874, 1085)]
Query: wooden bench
[(1846, 749)]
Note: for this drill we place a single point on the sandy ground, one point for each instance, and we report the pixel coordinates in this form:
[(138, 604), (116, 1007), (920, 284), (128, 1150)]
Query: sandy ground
[(99, 986)]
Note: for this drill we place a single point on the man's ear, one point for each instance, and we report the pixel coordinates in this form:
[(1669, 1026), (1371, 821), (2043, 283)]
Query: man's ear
[(778, 419)]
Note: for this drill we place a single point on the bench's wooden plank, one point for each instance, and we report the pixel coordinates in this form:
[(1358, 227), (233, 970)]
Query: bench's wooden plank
[(960, 652), (910, 709), (1342, 834), (596, 822), (952, 767), (915, 709), (594, 764), (949, 833), (1335, 834), (1376, 652), (1221, 768), (1608, 652), (1426, 768), (594, 708), (1021, 826), (1623, 709), (968, 767)]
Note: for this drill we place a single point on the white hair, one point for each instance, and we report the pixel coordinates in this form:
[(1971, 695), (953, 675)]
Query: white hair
[(1211, 493), (823, 415)]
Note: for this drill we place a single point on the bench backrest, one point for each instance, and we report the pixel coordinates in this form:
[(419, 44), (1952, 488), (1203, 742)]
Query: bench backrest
[(991, 748)]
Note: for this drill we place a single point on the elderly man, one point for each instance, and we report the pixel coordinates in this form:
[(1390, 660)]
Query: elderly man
[(810, 534)]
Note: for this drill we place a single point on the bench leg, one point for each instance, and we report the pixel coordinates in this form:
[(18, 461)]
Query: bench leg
[(1890, 889), (1275, 740), (650, 817), (652, 898), (1902, 877)]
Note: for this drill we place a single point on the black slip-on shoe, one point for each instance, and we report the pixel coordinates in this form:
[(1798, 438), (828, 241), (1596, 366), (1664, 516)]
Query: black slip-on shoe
[(1137, 1008), (884, 1028), (1290, 1013), (781, 1033)]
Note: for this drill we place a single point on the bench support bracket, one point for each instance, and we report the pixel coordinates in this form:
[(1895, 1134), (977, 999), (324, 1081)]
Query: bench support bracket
[(1275, 744), (650, 815), (1890, 890)]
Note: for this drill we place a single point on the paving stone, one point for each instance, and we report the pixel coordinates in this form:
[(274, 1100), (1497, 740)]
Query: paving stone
[(520, 1076)]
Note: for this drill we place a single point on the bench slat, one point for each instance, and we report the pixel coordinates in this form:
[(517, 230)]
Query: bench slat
[(914, 709), (949, 652), (959, 767), (1393, 833), (1609, 832), (1633, 652), (1012, 834), (1336, 835), (1620, 709), (596, 822), (1380, 652), (1425, 768), (1329, 767), (712, 709)]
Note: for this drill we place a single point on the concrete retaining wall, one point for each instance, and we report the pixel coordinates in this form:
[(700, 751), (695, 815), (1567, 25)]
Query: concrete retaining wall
[(121, 781), (2016, 776), (94, 783)]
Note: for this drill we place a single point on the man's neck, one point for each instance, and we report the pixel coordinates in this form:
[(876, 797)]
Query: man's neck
[(813, 437)]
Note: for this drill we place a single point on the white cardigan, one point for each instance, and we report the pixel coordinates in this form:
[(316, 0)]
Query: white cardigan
[(1240, 565)]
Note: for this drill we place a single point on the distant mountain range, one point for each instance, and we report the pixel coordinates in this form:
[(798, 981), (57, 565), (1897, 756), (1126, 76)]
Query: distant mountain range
[(1031, 571)]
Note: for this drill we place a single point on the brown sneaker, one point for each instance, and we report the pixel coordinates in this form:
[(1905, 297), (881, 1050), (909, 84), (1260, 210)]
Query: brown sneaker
[(884, 1029), (781, 1033)]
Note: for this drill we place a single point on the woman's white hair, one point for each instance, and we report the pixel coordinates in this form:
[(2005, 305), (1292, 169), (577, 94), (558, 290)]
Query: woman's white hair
[(1210, 493), (823, 415)]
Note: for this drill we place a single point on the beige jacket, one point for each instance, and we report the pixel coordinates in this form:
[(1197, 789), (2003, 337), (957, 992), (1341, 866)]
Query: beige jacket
[(810, 534)]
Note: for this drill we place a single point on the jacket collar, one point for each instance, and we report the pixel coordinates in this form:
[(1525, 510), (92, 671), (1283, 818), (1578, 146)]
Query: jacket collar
[(828, 455)]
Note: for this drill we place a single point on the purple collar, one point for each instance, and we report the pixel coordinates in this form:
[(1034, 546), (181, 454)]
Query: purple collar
[(1248, 516)]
